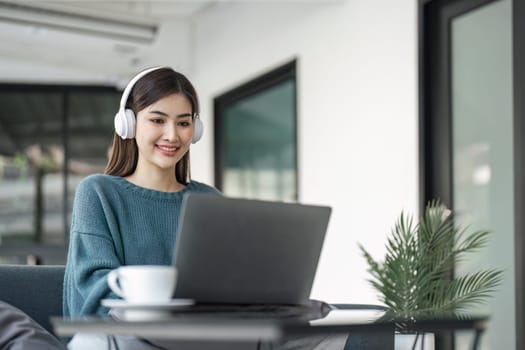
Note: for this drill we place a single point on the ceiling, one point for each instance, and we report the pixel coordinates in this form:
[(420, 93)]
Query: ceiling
[(98, 41), (86, 37), (139, 11), (149, 9)]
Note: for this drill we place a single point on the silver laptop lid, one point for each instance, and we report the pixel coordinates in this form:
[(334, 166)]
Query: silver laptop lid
[(241, 251)]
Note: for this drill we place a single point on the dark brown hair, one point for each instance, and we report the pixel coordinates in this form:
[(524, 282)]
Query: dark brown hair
[(155, 85)]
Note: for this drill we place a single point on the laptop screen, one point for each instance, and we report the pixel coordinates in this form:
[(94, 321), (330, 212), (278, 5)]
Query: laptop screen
[(241, 251)]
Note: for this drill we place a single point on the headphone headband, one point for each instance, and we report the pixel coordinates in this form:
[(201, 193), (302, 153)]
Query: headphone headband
[(127, 90)]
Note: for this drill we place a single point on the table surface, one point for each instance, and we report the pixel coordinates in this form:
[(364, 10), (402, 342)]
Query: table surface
[(246, 324)]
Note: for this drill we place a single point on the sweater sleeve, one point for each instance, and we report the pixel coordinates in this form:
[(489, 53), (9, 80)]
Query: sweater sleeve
[(92, 251)]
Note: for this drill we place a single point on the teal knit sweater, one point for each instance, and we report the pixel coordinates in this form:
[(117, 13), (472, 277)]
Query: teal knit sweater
[(114, 223)]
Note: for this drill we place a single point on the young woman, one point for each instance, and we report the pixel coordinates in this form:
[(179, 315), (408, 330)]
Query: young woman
[(130, 214)]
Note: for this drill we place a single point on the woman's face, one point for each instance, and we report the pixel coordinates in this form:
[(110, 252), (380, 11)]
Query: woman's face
[(164, 132)]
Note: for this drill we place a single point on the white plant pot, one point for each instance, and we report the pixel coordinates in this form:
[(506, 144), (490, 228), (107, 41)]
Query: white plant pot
[(406, 341)]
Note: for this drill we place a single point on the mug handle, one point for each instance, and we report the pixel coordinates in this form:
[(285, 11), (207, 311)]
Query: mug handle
[(113, 283)]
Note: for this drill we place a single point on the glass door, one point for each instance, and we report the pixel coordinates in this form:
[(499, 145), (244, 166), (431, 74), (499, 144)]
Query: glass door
[(482, 151), (472, 118)]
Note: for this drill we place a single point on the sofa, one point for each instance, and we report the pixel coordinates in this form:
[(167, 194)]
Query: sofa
[(34, 289)]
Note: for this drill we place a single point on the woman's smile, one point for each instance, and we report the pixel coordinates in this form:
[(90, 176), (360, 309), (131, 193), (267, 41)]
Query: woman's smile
[(167, 150)]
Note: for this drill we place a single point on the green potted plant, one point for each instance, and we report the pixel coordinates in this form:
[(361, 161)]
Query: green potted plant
[(415, 278)]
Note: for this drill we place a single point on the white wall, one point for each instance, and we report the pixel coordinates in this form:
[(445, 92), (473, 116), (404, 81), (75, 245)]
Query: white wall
[(357, 103)]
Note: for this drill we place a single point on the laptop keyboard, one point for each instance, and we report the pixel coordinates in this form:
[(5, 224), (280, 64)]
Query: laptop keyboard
[(256, 311)]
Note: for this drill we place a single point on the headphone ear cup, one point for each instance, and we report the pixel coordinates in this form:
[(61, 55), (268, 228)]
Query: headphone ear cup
[(198, 130), (130, 123), (120, 119), (125, 124)]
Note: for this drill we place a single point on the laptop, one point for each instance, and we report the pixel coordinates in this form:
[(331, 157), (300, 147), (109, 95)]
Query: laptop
[(247, 252)]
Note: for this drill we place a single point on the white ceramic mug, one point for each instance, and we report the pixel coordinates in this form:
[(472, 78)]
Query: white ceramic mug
[(143, 283)]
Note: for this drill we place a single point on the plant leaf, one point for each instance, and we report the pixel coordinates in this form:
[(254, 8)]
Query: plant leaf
[(415, 277)]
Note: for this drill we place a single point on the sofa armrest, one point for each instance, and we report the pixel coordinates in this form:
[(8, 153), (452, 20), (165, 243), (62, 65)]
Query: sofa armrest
[(36, 290)]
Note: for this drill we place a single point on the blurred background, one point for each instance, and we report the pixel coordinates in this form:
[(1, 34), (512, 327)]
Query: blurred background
[(370, 107)]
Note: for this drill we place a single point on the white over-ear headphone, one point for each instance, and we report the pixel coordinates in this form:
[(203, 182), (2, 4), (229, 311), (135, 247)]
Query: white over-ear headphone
[(125, 119)]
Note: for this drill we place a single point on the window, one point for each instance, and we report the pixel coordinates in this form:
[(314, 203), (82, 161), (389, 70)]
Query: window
[(50, 138), (256, 138)]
